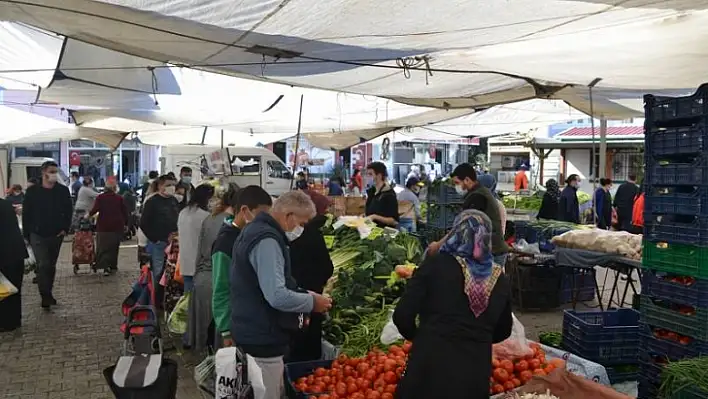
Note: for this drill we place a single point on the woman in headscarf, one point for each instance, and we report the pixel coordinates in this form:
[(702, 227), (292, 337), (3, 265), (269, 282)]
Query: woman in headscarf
[(568, 204), (463, 300), (488, 180), (549, 204)]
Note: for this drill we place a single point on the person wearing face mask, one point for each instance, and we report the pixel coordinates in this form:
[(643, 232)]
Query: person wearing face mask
[(381, 202), (568, 205), (16, 195), (243, 205), (185, 185), (476, 196), (46, 218), (410, 216), (311, 268), (267, 306), (158, 221), (189, 225)]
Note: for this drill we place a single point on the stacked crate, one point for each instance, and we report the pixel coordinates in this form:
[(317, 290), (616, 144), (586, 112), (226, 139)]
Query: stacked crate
[(444, 204), (674, 300)]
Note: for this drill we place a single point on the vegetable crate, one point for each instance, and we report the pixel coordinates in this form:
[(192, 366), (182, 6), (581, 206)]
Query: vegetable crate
[(681, 259), (443, 194), (684, 140), (622, 373), (667, 111), (650, 379), (688, 172), (293, 371), (682, 200), (442, 216), (681, 319), (678, 229), (606, 337), (579, 283), (534, 286), (670, 345), (679, 289)]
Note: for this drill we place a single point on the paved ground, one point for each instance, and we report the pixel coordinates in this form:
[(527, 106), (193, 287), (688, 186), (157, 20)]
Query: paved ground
[(62, 354)]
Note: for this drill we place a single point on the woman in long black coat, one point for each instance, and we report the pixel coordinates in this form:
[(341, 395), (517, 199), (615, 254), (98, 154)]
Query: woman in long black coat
[(311, 268), (12, 265), (463, 300)]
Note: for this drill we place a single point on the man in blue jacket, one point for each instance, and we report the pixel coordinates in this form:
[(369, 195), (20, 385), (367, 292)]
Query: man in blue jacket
[(266, 304)]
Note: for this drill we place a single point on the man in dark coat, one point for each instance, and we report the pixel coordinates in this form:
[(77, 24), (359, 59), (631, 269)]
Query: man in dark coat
[(624, 201)]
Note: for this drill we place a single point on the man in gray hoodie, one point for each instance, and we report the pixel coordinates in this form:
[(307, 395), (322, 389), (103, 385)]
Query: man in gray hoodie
[(266, 304)]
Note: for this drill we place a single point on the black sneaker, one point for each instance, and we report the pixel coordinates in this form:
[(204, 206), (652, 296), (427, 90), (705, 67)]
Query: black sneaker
[(47, 303), (53, 301), (34, 280)]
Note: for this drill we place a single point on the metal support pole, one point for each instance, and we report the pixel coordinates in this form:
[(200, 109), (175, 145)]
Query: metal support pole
[(297, 142)]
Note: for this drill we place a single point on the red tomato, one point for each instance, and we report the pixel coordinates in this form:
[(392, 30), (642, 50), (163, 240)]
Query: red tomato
[(386, 395), (509, 385), (500, 375), (525, 376), (390, 377), (539, 372), (534, 364), (390, 388), (363, 384), (325, 396), (370, 375), (522, 365), (373, 395), (320, 372), (497, 388), (507, 365), (351, 388), (341, 389), (407, 347), (390, 365), (516, 381), (362, 367), (495, 363)]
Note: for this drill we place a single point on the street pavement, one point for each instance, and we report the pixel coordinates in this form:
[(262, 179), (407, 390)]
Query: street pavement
[(62, 353)]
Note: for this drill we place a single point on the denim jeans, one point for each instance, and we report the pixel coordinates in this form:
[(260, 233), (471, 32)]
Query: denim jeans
[(406, 225), (157, 259)]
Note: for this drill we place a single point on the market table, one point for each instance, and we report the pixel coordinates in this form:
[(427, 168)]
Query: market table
[(622, 266)]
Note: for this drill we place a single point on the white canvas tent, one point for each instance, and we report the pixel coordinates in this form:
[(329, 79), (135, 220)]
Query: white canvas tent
[(454, 53), (24, 127)]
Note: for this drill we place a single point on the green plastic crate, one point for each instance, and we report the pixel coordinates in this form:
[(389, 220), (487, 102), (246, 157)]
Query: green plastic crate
[(694, 326), (685, 260)]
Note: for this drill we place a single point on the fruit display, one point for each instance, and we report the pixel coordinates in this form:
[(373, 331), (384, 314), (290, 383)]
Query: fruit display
[(508, 375)]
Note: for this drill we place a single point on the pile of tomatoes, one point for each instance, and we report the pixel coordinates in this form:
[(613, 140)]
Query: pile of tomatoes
[(374, 376), (508, 375)]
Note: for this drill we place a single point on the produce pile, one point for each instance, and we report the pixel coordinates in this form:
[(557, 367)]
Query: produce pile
[(610, 242), (509, 374), (533, 201), (369, 275), (686, 378), (376, 374), (373, 376)]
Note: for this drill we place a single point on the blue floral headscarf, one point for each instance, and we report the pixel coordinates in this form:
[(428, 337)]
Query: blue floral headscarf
[(470, 242)]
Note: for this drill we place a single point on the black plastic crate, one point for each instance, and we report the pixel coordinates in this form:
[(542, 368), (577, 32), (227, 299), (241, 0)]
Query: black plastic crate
[(658, 110), (677, 172), (682, 200), (678, 229), (691, 322), (683, 290), (443, 193), (442, 216), (293, 371), (582, 289), (670, 346), (673, 141), (534, 286), (623, 373), (608, 337)]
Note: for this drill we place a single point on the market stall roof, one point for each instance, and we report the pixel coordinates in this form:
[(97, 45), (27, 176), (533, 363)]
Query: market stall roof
[(31, 128), (455, 54)]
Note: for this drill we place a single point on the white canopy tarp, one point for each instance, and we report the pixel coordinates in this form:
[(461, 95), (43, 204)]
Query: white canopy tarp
[(455, 53), (25, 127)]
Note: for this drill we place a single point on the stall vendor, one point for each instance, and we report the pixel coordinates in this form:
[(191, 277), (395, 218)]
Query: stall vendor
[(381, 202)]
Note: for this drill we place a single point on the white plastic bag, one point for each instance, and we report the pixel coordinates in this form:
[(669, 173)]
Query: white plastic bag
[(229, 372), (6, 287), (515, 346), (255, 378), (390, 333), (30, 261), (142, 239)]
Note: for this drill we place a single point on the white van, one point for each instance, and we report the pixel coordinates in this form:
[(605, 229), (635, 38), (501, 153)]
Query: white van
[(24, 168), (245, 166)]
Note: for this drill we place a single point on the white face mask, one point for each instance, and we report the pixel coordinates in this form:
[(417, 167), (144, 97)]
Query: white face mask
[(52, 177), (295, 234), (179, 197), (460, 190), (170, 190)]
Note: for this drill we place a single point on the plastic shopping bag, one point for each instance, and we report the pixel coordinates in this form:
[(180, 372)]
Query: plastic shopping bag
[(6, 287), (390, 333), (515, 346), (237, 375), (30, 261), (177, 322)]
